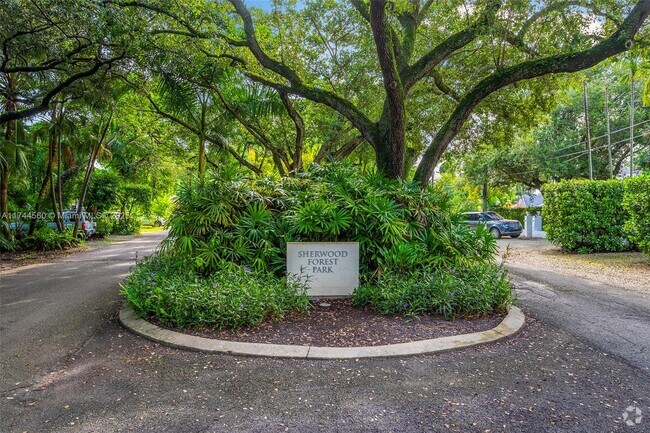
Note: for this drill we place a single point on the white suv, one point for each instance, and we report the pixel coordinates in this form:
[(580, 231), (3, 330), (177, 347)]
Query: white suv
[(86, 224)]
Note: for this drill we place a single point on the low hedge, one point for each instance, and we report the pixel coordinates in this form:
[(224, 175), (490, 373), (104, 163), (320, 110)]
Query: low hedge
[(586, 216), (637, 204)]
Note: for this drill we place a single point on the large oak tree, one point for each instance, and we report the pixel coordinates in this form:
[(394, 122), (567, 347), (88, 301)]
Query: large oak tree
[(467, 53)]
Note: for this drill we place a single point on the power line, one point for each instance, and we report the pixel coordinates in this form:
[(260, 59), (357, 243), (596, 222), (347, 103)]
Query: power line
[(600, 136), (582, 153)]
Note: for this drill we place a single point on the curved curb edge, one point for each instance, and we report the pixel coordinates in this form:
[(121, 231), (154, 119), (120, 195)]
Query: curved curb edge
[(509, 326)]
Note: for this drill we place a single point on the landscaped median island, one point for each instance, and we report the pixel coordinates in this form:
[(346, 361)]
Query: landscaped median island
[(223, 266)]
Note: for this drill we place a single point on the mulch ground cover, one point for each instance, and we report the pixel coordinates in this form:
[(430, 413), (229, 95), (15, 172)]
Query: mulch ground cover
[(18, 259), (342, 325)]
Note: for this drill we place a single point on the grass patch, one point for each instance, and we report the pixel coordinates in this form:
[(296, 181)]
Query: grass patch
[(151, 229)]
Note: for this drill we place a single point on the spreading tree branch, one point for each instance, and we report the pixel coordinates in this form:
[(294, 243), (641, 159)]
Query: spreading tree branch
[(279, 157), (618, 42), (296, 164), (47, 98), (296, 86), (414, 73)]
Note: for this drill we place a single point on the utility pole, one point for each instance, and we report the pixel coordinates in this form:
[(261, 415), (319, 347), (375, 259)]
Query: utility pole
[(609, 137), (631, 122), (591, 167)]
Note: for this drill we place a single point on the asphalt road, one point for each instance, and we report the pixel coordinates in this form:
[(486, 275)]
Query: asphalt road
[(68, 366), (48, 312), (608, 317), (612, 319)]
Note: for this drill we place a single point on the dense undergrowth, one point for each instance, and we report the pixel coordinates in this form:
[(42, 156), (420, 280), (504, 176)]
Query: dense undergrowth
[(415, 254), (44, 239)]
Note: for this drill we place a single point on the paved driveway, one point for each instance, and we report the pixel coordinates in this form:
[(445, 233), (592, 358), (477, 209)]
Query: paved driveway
[(607, 315), (50, 311), (67, 365)]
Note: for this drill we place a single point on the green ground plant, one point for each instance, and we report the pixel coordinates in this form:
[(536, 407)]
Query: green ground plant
[(104, 226), (250, 222), (46, 239), (167, 289), (124, 226), (405, 234), (471, 290)]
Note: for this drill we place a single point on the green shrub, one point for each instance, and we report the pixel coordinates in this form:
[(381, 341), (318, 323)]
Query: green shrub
[(104, 226), (123, 226), (586, 216), (6, 245), (250, 222), (46, 239), (471, 290), (637, 204), (405, 235), (233, 296)]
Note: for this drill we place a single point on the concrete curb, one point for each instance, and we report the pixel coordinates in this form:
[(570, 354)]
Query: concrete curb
[(510, 325)]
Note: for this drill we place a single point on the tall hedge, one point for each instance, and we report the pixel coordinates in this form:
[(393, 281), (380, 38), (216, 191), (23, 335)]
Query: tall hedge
[(586, 216), (637, 204)]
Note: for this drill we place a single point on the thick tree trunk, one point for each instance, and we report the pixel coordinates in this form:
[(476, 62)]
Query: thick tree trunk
[(41, 193), (389, 159), (391, 129), (389, 145)]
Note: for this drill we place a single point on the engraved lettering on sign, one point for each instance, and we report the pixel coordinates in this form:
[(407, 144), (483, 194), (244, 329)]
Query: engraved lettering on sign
[(329, 268)]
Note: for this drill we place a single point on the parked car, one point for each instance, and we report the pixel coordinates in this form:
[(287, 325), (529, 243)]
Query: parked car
[(153, 220), (86, 223), (497, 225)]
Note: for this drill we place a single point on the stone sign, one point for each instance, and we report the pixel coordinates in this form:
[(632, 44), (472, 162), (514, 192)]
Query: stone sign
[(331, 268)]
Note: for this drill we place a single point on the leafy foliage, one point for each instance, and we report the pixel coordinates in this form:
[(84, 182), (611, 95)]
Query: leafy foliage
[(124, 226), (405, 234), (637, 204), (104, 226), (103, 190), (46, 239), (470, 290), (234, 296), (518, 213), (398, 226), (586, 216)]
